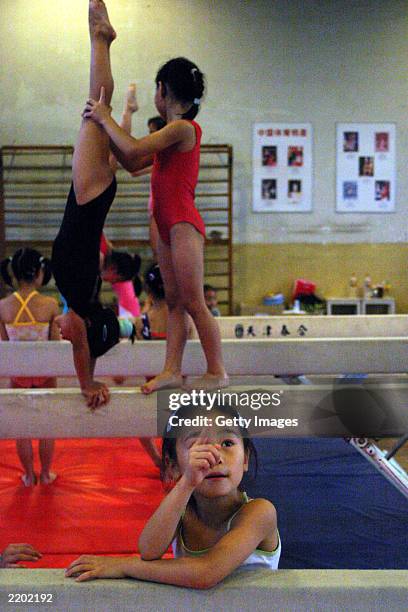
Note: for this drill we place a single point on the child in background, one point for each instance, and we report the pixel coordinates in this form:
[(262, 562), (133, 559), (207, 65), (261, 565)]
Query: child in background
[(28, 316), (155, 123), (153, 322), (212, 525), (117, 268), (155, 312), (121, 270), (210, 296), (174, 152)]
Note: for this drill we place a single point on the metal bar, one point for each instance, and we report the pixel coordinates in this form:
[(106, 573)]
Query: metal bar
[(397, 447)]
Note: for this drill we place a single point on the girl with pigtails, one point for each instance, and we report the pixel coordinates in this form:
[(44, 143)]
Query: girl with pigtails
[(26, 315)]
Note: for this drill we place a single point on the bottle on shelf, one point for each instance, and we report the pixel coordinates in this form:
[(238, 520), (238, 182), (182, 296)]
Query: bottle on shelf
[(353, 286), (367, 287)]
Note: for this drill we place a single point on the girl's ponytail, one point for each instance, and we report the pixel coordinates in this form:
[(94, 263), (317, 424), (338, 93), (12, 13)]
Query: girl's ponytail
[(46, 268), (154, 282), (186, 82), (198, 87), (4, 271), (26, 264)]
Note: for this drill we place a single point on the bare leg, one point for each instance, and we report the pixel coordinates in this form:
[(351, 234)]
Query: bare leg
[(189, 273), (153, 237), (151, 449), (177, 327), (90, 167), (46, 451), (25, 454), (183, 283)]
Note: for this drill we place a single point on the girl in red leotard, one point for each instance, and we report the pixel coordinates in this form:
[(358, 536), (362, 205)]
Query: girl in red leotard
[(174, 152)]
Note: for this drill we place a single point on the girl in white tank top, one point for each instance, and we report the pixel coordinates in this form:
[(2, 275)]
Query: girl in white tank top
[(213, 526)]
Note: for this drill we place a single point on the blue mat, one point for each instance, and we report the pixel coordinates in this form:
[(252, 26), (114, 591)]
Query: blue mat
[(335, 510)]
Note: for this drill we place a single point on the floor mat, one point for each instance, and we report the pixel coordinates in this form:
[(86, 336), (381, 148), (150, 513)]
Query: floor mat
[(105, 491), (335, 510)]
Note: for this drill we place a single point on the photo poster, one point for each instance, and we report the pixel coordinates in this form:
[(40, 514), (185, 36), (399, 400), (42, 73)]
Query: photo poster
[(282, 167), (365, 167)]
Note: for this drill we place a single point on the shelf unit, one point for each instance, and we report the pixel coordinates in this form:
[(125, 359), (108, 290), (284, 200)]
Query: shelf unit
[(34, 182), (343, 306), (356, 306), (378, 306)]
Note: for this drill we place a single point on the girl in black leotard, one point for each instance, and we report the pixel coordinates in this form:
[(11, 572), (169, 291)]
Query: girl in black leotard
[(90, 327)]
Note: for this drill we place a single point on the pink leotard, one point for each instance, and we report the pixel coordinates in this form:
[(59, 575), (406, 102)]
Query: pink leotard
[(174, 179), (129, 305)]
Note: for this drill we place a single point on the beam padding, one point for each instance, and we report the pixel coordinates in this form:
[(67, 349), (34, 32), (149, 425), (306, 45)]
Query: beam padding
[(261, 590), (242, 357)]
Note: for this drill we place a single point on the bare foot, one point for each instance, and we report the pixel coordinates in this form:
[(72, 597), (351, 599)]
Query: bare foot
[(208, 382), (47, 477), (162, 381), (29, 480), (99, 24), (131, 101)]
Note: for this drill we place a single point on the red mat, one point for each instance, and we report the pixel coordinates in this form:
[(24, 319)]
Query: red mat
[(105, 491)]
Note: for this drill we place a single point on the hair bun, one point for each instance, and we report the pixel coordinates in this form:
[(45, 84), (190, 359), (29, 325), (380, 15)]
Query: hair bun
[(154, 281)]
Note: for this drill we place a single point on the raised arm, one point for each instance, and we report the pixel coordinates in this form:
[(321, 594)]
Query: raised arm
[(130, 106), (136, 153), (73, 328), (161, 528)]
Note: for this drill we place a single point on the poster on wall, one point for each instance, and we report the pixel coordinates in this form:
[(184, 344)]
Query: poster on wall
[(282, 167), (365, 167)]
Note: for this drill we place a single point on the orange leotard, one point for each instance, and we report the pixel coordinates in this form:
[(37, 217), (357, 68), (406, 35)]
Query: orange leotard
[(174, 179)]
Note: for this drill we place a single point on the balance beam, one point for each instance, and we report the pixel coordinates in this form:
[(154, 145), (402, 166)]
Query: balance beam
[(62, 413), (261, 590), (311, 326), (242, 357)]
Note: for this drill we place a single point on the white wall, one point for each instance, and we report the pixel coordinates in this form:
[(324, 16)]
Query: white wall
[(266, 60)]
